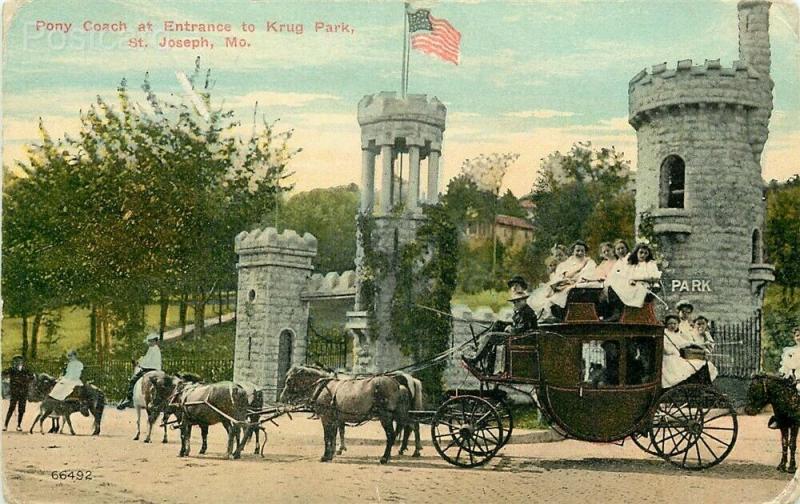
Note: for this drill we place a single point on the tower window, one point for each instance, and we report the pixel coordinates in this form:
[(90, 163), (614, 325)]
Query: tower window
[(758, 251), (673, 182)]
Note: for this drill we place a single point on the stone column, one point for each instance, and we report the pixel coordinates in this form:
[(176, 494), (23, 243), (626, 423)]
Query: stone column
[(433, 177), (412, 196), (387, 158), (367, 179)]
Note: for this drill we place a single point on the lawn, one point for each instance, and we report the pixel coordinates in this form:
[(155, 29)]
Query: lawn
[(73, 330)]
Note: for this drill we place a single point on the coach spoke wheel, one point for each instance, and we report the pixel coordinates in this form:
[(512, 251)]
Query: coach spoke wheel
[(644, 440), (694, 427), (467, 431), (507, 419)]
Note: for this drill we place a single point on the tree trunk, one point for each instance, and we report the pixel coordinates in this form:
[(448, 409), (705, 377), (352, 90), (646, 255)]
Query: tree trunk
[(100, 336), (37, 322), (219, 307), (182, 312), (199, 316), (93, 328), (25, 336), (162, 319), (106, 336)]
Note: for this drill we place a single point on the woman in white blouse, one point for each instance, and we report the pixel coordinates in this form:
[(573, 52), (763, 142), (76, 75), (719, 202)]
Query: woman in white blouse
[(630, 285)]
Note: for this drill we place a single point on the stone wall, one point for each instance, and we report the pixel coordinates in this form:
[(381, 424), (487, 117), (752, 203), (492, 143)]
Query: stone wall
[(274, 269)]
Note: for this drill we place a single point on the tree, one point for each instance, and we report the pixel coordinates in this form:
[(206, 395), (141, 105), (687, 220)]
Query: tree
[(330, 215), (583, 194), (783, 233)]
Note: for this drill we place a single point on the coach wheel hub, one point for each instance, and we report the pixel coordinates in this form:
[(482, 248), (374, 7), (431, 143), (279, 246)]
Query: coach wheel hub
[(466, 432)]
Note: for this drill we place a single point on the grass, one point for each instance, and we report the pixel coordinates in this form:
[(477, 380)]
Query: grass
[(526, 416), (73, 330), (496, 300)]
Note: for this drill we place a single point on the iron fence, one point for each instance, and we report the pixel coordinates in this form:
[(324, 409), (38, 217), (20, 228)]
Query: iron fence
[(329, 350), (737, 347)]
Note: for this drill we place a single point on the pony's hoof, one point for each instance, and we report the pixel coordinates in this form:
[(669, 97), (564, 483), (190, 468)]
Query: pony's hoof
[(781, 467), (401, 452), (792, 468), (416, 454), (164, 441), (325, 459), (147, 440), (384, 460), (136, 438)]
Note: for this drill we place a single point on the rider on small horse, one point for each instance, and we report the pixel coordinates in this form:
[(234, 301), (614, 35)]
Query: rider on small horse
[(151, 361)]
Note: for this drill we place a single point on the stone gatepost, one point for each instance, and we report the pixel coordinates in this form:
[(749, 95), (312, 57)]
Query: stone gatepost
[(392, 127), (271, 317)]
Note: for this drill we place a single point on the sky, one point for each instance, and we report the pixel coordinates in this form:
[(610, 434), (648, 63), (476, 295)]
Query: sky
[(534, 77)]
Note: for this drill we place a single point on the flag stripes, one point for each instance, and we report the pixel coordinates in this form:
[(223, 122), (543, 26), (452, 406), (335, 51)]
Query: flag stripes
[(442, 41)]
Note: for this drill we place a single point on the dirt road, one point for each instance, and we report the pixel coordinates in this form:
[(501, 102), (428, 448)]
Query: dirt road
[(123, 470)]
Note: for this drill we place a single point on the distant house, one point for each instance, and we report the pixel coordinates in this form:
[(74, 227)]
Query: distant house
[(510, 231)]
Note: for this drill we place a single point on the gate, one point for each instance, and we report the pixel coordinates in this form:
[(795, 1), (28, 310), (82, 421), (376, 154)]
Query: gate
[(737, 349), (328, 349)]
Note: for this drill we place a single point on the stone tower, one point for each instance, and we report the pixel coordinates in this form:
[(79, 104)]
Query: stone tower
[(271, 316), (391, 128), (701, 130)]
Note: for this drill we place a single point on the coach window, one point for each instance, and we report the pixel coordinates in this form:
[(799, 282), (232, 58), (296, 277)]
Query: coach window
[(600, 363), (672, 183)]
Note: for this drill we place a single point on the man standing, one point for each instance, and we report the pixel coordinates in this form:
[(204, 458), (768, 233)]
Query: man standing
[(151, 361), (20, 378)]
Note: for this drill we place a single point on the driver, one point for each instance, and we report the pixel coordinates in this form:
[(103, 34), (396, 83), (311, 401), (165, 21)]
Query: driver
[(522, 321)]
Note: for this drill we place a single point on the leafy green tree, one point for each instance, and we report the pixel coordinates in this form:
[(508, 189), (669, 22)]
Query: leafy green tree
[(783, 233), (584, 194), (330, 215)]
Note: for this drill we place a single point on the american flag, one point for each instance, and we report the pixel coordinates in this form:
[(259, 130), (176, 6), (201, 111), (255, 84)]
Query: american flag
[(437, 37)]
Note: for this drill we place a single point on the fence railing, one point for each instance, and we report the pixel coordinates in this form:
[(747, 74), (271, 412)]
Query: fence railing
[(113, 375), (329, 350), (737, 350)]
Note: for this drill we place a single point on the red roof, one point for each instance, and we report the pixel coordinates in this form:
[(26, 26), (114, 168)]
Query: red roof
[(514, 222)]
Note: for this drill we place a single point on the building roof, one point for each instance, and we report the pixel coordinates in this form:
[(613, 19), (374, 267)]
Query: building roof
[(515, 222)]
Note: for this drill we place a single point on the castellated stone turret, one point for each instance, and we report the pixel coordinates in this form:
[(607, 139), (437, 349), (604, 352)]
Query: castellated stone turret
[(701, 130), (271, 316), (395, 129)]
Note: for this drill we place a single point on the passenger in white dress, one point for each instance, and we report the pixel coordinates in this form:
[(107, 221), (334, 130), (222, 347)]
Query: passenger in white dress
[(630, 285), (71, 379), (790, 359), (674, 368), (607, 261), (538, 299), (685, 310), (579, 266), (701, 334)]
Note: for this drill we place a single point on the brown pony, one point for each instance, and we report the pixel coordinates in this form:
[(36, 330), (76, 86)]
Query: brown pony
[(209, 404), (355, 400), (781, 393), (87, 399)]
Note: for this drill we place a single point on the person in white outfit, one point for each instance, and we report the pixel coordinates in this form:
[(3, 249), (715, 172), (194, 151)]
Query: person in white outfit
[(630, 285), (685, 310), (71, 379), (701, 334), (151, 361), (790, 359), (577, 267), (538, 298), (674, 367)]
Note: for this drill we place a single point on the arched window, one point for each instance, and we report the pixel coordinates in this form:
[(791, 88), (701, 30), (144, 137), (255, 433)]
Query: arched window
[(672, 183), (757, 248), (285, 344)]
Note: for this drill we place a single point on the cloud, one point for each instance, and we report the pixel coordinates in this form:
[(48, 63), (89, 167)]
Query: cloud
[(279, 99), (540, 114)]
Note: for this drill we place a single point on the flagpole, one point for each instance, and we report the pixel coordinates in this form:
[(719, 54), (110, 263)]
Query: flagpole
[(404, 76), (408, 58)]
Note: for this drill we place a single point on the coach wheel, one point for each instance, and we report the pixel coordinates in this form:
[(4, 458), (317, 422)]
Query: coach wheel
[(507, 419), (467, 431), (694, 427)]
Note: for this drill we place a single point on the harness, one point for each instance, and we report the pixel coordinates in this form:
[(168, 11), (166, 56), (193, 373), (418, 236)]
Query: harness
[(323, 384)]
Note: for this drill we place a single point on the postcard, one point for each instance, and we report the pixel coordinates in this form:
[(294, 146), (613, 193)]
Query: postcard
[(385, 251)]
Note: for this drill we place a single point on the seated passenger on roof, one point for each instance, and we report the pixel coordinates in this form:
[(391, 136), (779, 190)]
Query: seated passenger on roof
[(630, 285), (578, 267)]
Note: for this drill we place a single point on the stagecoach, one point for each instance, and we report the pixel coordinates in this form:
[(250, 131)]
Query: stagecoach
[(593, 381)]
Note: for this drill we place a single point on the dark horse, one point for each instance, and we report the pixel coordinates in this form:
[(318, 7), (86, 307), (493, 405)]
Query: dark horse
[(208, 404), (353, 400), (85, 398), (38, 389), (781, 393)]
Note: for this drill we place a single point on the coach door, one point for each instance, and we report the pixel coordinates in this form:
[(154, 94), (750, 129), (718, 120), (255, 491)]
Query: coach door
[(285, 344)]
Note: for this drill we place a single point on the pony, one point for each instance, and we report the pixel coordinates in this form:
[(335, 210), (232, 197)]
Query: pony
[(255, 403), (87, 399), (336, 401), (781, 393), (151, 392), (38, 390), (209, 404)]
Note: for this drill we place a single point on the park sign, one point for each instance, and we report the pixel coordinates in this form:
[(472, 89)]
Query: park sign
[(692, 285)]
